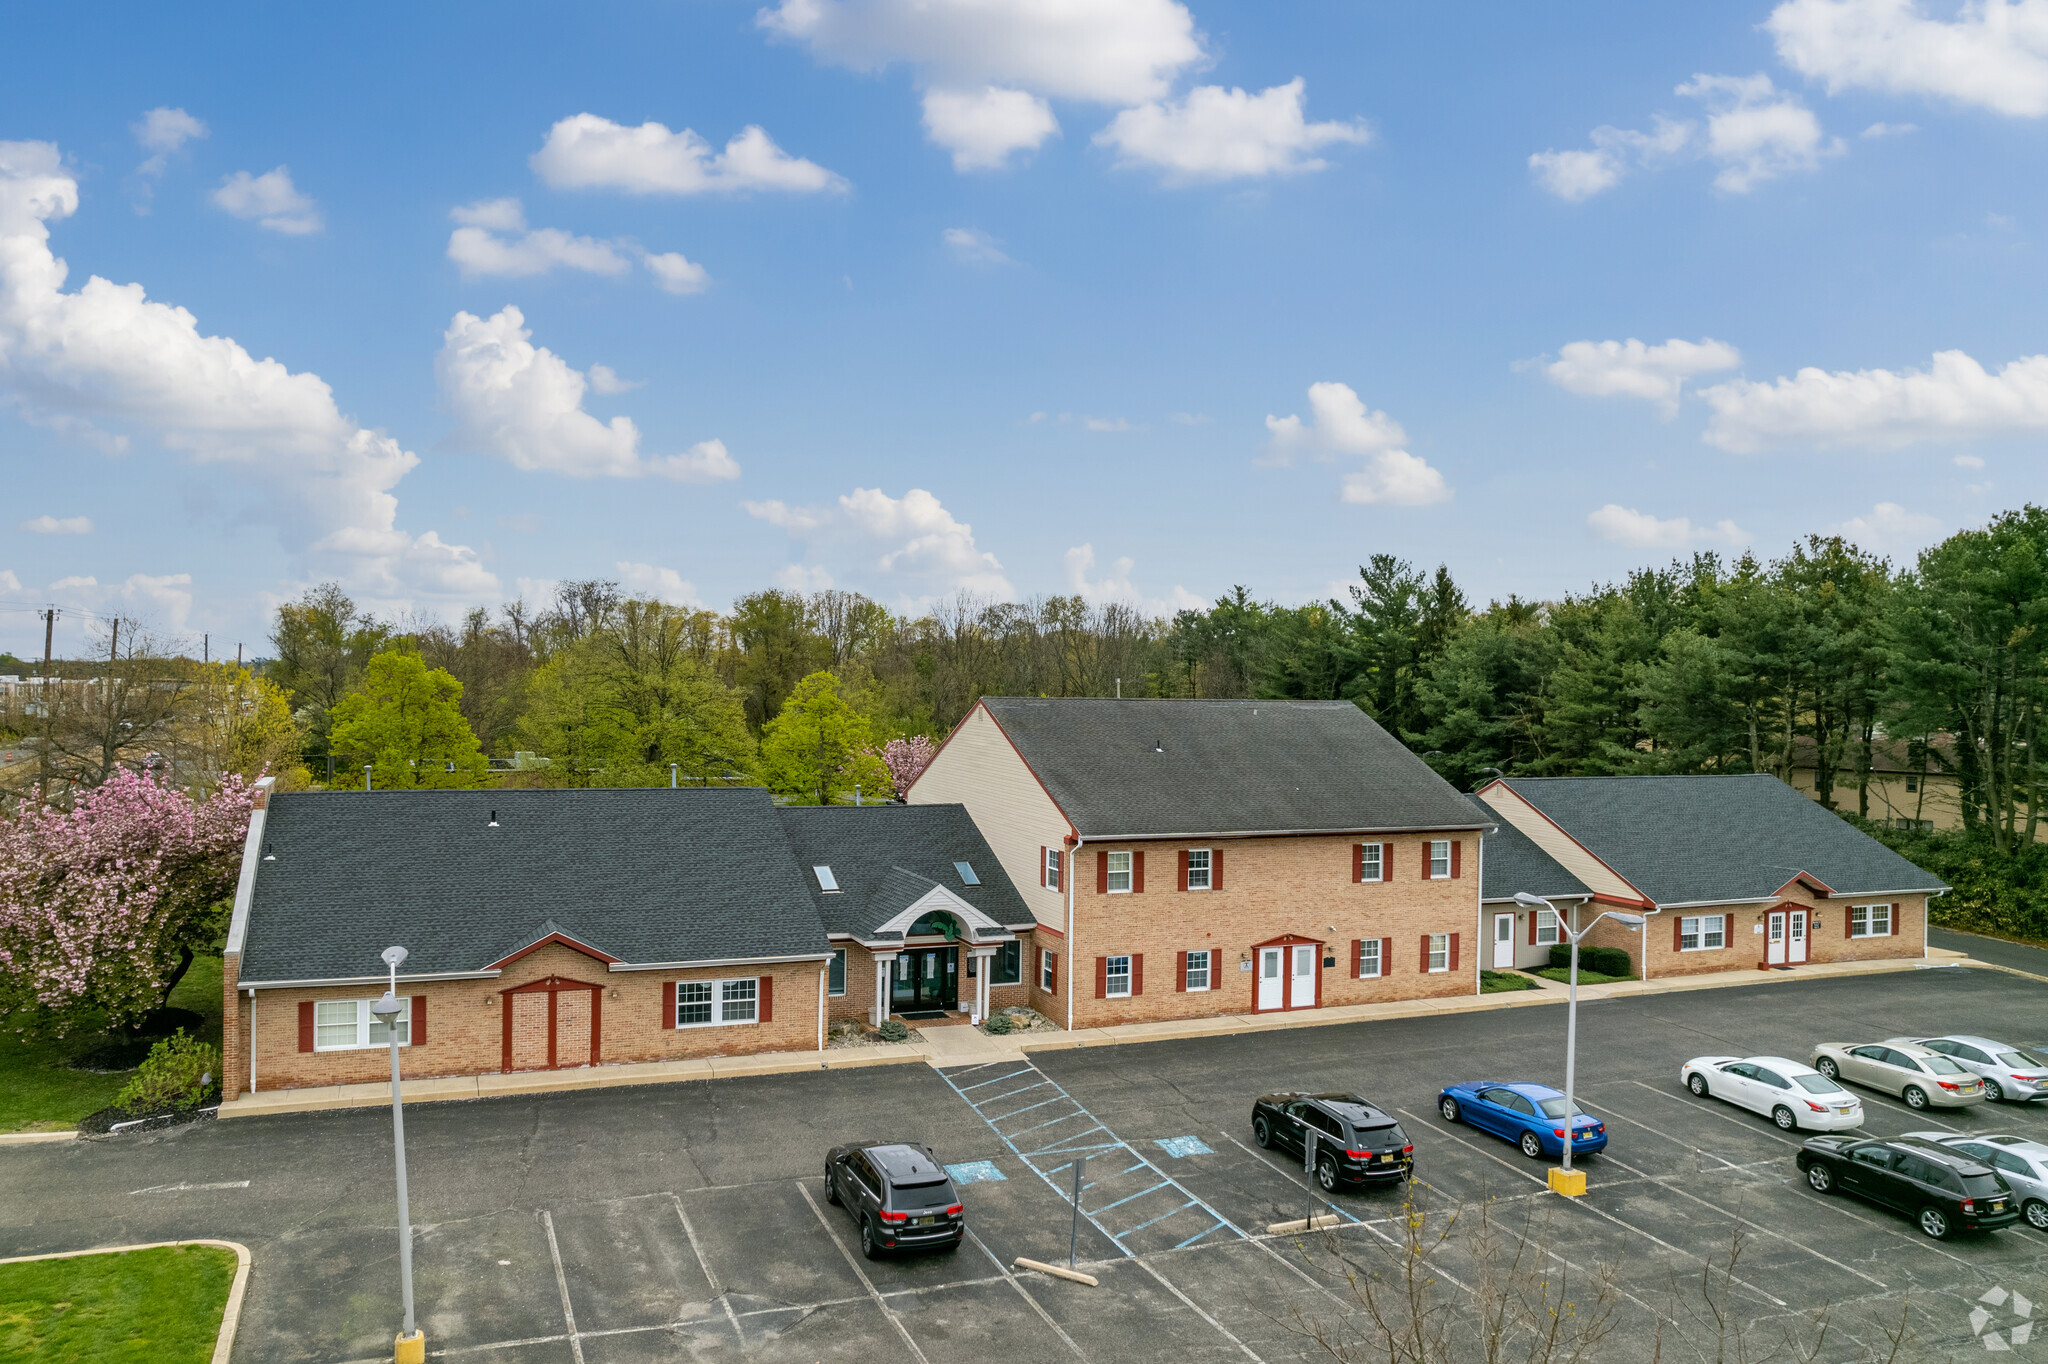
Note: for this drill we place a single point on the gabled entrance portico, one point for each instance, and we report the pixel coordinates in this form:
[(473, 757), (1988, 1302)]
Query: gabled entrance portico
[(1287, 973)]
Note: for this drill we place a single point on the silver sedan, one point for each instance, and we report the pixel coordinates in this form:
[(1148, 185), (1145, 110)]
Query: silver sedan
[(2007, 1071), (2022, 1163), (1921, 1077)]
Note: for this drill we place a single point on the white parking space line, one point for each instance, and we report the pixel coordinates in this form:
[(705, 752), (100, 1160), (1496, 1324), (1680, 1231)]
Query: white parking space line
[(1658, 1131), (717, 1290), (859, 1273), (1712, 1108), (1194, 1307), (562, 1283), (1917, 1114), (1025, 1294), (190, 1188), (1835, 1203)]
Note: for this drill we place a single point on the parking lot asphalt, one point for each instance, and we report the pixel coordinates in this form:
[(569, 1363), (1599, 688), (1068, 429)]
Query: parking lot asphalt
[(2018, 955), (688, 1221)]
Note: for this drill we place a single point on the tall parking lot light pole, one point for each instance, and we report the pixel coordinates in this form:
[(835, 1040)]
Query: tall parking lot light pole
[(1564, 1180), (411, 1345)]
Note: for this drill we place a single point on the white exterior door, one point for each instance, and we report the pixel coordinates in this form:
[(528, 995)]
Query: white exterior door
[(1272, 977), (1774, 940), (1302, 993), (1795, 947), (1503, 942)]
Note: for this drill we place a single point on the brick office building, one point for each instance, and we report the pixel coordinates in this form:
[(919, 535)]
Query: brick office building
[(1208, 857), (552, 929)]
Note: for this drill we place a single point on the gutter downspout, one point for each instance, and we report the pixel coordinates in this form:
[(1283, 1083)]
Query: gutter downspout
[(821, 1008), (1073, 874), (252, 1038), (1480, 940)]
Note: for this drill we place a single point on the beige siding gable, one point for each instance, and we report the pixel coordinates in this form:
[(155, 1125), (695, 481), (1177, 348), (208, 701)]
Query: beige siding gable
[(1589, 869), (980, 769)]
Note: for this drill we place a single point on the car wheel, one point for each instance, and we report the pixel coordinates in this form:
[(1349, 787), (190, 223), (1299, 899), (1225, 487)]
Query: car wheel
[(1934, 1222), (1698, 1085), (1820, 1178), (1785, 1119), (1915, 1097), (831, 1188), (1262, 1131), (2036, 1213), (1326, 1173), (1994, 1091), (1826, 1066), (1532, 1146), (867, 1241), (1449, 1108)]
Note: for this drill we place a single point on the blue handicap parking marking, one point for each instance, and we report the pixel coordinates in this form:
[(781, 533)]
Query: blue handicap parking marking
[(1183, 1146), (974, 1172)]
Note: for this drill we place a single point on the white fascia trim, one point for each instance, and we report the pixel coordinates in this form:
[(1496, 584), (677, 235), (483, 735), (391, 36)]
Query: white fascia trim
[(1880, 894), (366, 980), (1292, 833), (252, 852), (715, 961), (938, 897), (1509, 899)]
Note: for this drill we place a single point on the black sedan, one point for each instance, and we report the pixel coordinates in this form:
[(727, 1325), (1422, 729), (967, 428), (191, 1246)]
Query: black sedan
[(898, 1193), (1940, 1188), (1355, 1142)]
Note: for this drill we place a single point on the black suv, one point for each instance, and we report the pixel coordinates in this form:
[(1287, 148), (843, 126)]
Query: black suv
[(1355, 1142), (1942, 1189), (898, 1192)]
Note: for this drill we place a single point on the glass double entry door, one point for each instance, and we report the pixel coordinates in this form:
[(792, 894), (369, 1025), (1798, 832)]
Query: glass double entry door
[(925, 978)]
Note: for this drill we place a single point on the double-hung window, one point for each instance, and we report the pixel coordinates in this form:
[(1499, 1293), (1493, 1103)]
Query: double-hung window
[(704, 1003), (1370, 866), (1117, 976), (1198, 869), (1546, 928), (1369, 964), (1198, 969), (1702, 933), (1870, 921), (837, 980), (346, 1024), (1119, 864), (1439, 859), (1046, 957), (1052, 868), (1007, 966), (1439, 952)]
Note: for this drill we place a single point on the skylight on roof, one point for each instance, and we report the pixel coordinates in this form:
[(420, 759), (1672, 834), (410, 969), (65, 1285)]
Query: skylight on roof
[(967, 873), (826, 880)]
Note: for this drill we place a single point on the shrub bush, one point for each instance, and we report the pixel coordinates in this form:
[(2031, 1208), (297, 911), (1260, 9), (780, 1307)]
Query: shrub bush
[(176, 1074), (1608, 961), (894, 1030), (999, 1024)]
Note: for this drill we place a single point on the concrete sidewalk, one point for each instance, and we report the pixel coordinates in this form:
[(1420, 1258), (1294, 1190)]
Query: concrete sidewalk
[(961, 1046)]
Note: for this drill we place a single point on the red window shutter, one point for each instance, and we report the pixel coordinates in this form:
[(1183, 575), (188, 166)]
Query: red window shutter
[(1216, 869), (1357, 862), (668, 1004), (1425, 953), (1183, 987), (1041, 864), (1848, 923), (1137, 973), (1532, 926), (1892, 922), (1357, 955), (1101, 872), (1102, 977), (1727, 930), (1457, 846), (1454, 944), (306, 1026), (1183, 868), (1137, 873), (1055, 970), (767, 999), (1677, 935), (1386, 861), (418, 1031), (1386, 956)]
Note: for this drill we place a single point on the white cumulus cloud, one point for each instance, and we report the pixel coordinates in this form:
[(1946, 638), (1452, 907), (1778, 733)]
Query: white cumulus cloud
[(1627, 526), (1341, 424), (975, 246), (984, 128), (659, 584), (271, 200), (1116, 585), (1954, 398), (162, 601), (1213, 133), (1753, 131), (585, 151), (107, 354), (523, 403), (58, 525), (492, 241), (1632, 369), (1991, 54), (161, 132), (1890, 527), (911, 543)]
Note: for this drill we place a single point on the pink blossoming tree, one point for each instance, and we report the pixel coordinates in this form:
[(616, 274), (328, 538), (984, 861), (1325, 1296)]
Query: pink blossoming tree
[(906, 759), (101, 905)]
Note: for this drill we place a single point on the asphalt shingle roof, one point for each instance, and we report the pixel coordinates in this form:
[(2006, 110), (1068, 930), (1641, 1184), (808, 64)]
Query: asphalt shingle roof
[(645, 876), (1712, 839), (888, 857), (1155, 769), (1513, 862)]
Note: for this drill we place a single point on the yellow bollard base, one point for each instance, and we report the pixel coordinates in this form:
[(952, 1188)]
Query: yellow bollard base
[(410, 1349), (1570, 1183)]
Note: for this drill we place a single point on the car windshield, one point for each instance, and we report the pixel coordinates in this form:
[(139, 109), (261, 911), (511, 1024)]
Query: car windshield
[(911, 1197), (1941, 1065), (2020, 1060), (1818, 1084), (1557, 1108), (1382, 1136)]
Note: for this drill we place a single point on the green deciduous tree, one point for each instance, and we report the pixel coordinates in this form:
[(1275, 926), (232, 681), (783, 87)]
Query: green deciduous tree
[(818, 748), (405, 721)]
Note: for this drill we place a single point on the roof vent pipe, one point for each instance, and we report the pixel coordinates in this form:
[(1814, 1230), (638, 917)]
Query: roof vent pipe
[(494, 820)]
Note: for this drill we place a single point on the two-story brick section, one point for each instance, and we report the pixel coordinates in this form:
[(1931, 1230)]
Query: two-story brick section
[(1191, 858), (1735, 872)]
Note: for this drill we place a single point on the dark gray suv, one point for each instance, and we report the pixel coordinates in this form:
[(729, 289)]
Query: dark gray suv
[(899, 1194)]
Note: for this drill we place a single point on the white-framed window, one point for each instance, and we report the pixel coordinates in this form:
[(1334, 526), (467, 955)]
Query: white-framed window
[(1369, 963), (1052, 868), (1870, 921), (346, 1024), (1439, 952), (708, 1003), (1116, 975), (1119, 873), (1198, 969), (1370, 865), (1439, 859), (1546, 928), (1046, 957), (1703, 933), (836, 981), (1198, 868)]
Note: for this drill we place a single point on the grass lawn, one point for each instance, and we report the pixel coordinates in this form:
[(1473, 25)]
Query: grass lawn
[(1561, 974), (39, 1092), (1494, 982), (162, 1305)]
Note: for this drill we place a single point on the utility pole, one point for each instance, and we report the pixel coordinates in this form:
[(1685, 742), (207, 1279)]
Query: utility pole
[(204, 641), (43, 749)]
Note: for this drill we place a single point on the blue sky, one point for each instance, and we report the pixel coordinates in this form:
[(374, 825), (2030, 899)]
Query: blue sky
[(1005, 296)]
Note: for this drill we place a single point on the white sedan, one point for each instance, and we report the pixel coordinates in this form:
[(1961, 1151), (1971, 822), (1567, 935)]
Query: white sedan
[(1791, 1094)]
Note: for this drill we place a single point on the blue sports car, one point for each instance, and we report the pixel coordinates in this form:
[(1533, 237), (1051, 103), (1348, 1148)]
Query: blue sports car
[(1531, 1116)]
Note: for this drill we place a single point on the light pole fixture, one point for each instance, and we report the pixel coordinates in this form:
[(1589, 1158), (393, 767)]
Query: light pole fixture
[(1566, 1180), (411, 1345)]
